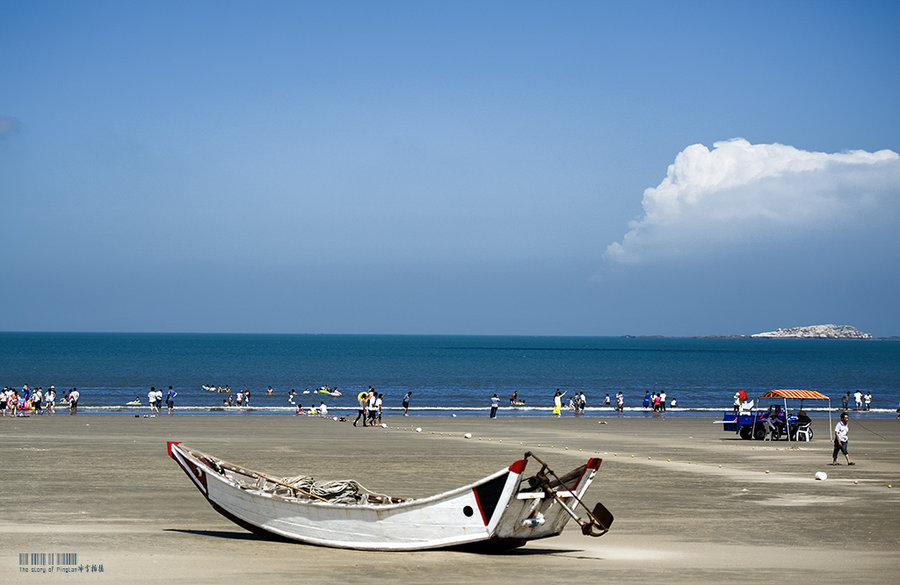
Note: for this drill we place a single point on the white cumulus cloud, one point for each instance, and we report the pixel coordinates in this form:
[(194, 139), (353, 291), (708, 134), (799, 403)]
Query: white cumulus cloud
[(740, 194)]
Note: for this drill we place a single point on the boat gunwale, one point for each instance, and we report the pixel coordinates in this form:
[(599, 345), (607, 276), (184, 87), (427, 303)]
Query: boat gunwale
[(193, 453)]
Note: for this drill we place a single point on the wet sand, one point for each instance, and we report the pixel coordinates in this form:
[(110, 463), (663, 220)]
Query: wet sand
[(692, 504)]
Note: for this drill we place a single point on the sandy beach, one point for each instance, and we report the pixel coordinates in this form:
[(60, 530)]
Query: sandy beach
[(692, 504)]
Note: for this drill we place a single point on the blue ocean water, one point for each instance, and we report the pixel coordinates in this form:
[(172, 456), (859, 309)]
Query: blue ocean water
[(444, 373)]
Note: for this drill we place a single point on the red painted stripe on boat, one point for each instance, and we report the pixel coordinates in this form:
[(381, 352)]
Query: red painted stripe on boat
[(169, 447), (480, 510), (594, 463)]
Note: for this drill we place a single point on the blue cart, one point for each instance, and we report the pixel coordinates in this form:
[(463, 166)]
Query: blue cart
[(753, 423)]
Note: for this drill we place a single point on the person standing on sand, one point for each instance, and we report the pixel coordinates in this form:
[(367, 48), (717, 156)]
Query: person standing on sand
[(74, 395), (844, 400), (50, 399), (170, 400), (495, 404), (606, 399), (557, 402), (406, 403), (868, 401), (841, 430), (379, 402), (858, 398)]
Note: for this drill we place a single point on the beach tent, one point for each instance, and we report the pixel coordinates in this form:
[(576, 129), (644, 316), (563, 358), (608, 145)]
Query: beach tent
[(800, 395)]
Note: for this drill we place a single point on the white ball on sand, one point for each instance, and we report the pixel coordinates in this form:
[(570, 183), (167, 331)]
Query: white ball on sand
[(821, 475), (418, 429), (468, 435)]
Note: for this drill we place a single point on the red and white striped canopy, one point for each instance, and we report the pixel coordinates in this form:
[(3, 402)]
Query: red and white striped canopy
[(802, 394)]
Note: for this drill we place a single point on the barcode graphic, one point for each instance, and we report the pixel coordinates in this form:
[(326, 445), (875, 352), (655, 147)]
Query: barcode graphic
[(35, 559)]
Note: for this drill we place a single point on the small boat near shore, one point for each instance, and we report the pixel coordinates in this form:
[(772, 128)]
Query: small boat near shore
[(503, 510)]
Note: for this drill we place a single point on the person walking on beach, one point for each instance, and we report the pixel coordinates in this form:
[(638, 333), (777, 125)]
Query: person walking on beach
[(606, 399), (867, 400), (582, 403), (379, 402), (841, 430), (151, 398), (662, 401), (50, 399), (495, 404), (620, 402), (372, 405), (170, 400), (858, 398), (405, 404), (844, 400), (361, 398)]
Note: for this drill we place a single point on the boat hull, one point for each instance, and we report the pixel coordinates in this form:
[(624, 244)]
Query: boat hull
[(495, 511)]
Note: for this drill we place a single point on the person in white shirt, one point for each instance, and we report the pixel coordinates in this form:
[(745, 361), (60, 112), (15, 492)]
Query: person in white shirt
[(36, 400), (74, 395), (50, 400), (151, 398), (371, 407), (841, 431), (858, 397)]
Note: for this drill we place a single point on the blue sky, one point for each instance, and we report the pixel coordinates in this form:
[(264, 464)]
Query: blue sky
[(577, 168)]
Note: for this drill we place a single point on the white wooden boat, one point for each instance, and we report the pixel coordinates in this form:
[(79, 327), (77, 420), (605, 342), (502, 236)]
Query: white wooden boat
[(503, 510)]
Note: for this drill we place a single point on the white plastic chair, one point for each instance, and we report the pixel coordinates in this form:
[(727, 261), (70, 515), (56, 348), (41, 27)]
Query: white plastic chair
[(804, 431)]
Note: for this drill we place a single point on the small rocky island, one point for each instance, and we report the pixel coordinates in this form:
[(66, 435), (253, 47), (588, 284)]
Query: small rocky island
[(817, 332)]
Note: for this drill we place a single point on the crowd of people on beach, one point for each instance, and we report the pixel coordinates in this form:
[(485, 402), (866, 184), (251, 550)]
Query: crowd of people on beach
[(657, 401), (370, 409), (28, 401), (155, 398), (863, 402)]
